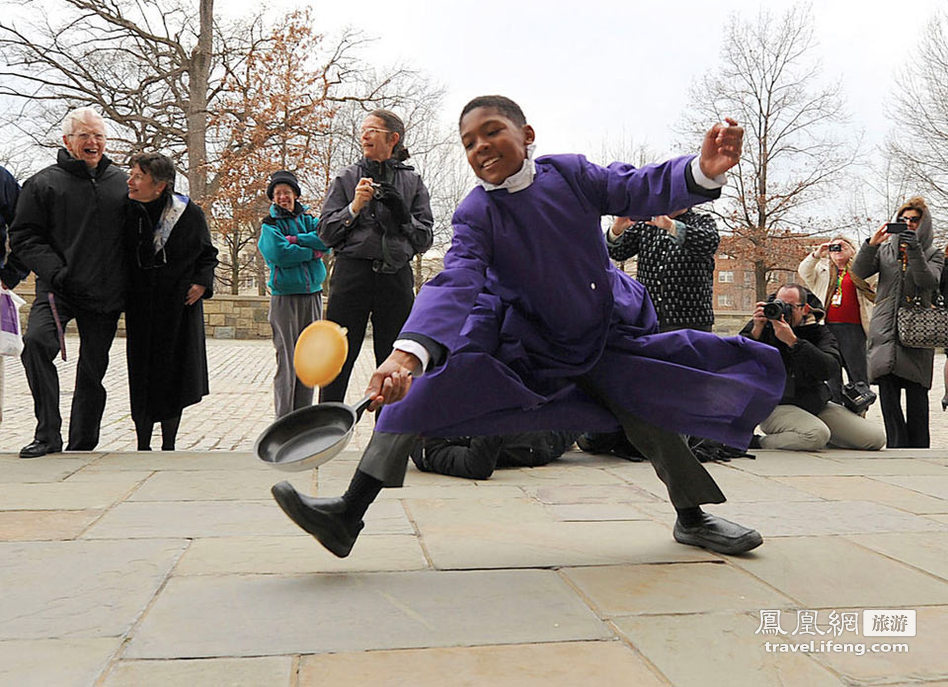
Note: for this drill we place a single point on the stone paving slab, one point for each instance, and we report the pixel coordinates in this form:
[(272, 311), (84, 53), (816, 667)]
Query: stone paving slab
[(833, 572), (926, 551), (262, 615), (925, 660), (299, 553), (621, 590), (867, 489), (74, 662), (40, 525), (935, 485), (523, 534), (268, 671), (522, 665), (95, 589), (64, 495), (47, 469), (721, 649)]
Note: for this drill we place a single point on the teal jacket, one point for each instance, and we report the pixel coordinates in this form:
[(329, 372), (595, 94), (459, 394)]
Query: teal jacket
[(287, 242)]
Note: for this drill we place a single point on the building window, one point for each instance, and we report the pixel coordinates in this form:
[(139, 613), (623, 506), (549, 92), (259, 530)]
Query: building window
[(726, 277), (748, 277), (725, 300)]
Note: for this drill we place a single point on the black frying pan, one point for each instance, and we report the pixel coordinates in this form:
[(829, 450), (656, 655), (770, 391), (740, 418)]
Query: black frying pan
[(309, 437)]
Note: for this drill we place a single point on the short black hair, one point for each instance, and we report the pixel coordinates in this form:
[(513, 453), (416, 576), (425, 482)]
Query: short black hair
[(160, 167), (507, 107)]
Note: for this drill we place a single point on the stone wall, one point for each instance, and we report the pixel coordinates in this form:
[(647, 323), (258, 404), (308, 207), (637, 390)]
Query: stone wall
[(245, 317), (225, 316)]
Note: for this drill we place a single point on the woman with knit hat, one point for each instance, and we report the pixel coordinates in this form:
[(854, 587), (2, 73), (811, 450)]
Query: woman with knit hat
[(293, 252)]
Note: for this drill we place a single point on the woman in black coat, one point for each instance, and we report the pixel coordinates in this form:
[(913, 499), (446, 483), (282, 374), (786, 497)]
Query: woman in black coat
[(172, 269)]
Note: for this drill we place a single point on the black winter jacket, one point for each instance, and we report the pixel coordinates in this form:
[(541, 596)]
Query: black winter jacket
[(809, 364), (69, 228), (373, 234)]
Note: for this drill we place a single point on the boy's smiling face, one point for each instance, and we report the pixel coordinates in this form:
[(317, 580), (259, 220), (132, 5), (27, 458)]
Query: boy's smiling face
[(496, 147)]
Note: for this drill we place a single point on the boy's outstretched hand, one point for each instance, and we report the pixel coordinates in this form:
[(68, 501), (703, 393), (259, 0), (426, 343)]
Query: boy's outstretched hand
[(392, 379), (721, 148)]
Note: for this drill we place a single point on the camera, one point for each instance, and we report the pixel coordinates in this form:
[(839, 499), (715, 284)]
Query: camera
[(376, 190), (835, 248), (858, 397), (896, 227), (777, 309)]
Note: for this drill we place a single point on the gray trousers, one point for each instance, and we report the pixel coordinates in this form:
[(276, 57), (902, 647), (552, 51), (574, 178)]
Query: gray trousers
[(689, 484), (289, 316), (794, 429)]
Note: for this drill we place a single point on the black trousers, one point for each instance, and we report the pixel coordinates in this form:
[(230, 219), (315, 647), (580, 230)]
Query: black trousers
[(852, 345), (356, 293), (40, 347), (908, 430), (689, 484)]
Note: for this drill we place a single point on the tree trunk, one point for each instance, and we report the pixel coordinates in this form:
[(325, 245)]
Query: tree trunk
[(760, 279), (198, 76)]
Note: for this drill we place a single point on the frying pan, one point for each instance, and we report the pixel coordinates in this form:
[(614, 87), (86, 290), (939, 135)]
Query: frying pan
[(310, 436)]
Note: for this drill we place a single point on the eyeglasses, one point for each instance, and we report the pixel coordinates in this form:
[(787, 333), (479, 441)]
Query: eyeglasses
[(910, 220), (374, 130), (87, 137), (797, 305)]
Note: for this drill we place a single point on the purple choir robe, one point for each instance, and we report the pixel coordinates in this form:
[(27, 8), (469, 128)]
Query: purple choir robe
[(528, 300)]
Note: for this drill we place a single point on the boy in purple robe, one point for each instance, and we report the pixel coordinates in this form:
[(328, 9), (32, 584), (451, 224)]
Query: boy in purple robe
[(530, 327)]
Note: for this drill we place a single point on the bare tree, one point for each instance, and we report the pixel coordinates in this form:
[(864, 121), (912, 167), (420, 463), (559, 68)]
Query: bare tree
[(918, 147), (149, 66), (793, 153)]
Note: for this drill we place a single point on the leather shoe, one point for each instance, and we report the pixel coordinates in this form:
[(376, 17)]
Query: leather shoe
[(38, 448), (323, 518), (718, 534)]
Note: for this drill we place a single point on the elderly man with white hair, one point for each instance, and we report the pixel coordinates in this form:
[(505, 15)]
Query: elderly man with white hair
[(68, 230)]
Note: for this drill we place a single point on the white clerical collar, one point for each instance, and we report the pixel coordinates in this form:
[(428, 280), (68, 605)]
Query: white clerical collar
[(517, 181)]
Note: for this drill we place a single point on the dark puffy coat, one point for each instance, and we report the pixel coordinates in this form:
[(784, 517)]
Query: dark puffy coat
[(374, 234), (69, 229), (167, 360), (923, 271)]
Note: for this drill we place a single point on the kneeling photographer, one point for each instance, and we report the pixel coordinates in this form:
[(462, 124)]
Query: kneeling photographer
[(806, 420)]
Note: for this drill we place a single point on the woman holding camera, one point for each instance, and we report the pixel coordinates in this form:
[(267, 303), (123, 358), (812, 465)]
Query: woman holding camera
[(908, 266), (848, 300), (376, 217)]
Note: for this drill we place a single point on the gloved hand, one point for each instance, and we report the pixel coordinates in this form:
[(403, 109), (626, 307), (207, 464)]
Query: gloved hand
[(392, 199), (909, 239)]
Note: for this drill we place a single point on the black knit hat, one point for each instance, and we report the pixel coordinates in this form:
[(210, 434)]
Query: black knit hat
[(283, 177)]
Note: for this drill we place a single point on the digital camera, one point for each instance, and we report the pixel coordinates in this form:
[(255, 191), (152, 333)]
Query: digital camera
[(835, 248), (777, 309), (896, 227)]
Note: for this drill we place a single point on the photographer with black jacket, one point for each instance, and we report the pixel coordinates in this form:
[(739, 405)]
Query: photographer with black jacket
[(806, 420)]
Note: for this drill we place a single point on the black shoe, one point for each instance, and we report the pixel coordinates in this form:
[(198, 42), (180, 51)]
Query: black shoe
[(718, 534), (322, 518), (944, 402), (38, 448), (755, 441)]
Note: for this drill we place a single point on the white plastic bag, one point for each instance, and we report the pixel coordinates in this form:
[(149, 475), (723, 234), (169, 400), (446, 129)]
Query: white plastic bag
[(11, 338)]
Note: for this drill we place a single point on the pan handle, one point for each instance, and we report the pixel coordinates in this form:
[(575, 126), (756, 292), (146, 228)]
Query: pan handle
[(360, 407)]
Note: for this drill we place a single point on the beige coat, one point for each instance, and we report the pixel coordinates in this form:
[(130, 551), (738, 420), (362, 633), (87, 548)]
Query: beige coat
[(819, 276)]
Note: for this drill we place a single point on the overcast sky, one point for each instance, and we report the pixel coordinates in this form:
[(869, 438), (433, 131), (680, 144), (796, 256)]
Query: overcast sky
[(586, 71)]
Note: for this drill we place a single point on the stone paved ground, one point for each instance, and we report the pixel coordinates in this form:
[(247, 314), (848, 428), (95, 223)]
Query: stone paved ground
[(122, 569)]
